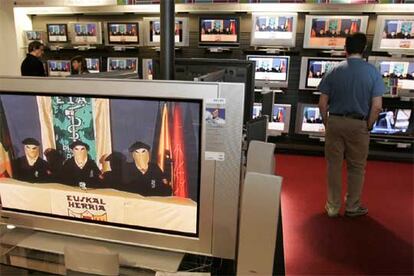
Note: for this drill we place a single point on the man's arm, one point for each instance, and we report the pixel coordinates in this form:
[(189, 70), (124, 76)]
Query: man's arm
[(323, 107), (376, 107)]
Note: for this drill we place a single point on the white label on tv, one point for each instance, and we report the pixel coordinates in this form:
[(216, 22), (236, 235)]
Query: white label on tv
[(214, 156), (216, 101)]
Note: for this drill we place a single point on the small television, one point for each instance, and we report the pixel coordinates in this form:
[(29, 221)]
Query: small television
[(123, 33), (397, 72), (147, 69), (257, 110), (148, 180), (93, 65), (57, 33), (274, 29), (280, 119), (393, 122), (152, 31), (30, 36), (58, 68), (219, 31), (122, 64), (330, 31), (394, 34), (271, 71), (309, 120), (85, 33), (312, 69)]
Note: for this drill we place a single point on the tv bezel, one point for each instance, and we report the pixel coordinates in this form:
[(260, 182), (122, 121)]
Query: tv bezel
[(286, 125), (274, 42), (57, 42), (48, 67), (308, 27), (120, 44), (379, 27), (100, 64), (147, 22), (304, 66), (260, 83), (220, 43), (72, 33), (299, 120), (110, 58)]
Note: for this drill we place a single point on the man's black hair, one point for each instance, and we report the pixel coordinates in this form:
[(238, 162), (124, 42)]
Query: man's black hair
[(34, 45), (355, 43)]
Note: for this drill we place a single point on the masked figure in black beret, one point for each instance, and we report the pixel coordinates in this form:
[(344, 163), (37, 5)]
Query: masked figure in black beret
[(31, 167), (145, 177), (80, 170)]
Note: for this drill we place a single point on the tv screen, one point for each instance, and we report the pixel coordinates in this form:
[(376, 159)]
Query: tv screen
[(329, 32), (57, 33), (122, 64), (257, 110), (280, 119), (394, 34), (271, 71), (30, 36), (273, 29), (219, 31), (85, 33), (123, 33), (147, 69), (93, 65), (392, 122), (309, 120), (153, 31), (313, 69), (58, 68)]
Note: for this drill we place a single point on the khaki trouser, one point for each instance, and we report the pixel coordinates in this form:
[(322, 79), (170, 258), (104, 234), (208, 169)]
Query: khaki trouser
[(346, 138)]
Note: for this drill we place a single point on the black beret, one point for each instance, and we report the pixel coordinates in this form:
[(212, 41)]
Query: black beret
[(139, 145), (78, 143), (30, 141)]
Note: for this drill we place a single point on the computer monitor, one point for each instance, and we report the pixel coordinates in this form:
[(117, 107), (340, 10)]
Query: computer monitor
[(122, 64), (309, 120), (30, 36), (58, 68), (280, 119), (123, 33), (330, 31), (152, 31), (216, 31), (85, 33), (57, 33), (93, 65), (394, 34), (257, 110), (393, 122), (274, 29), (312, 69), (271, 71)]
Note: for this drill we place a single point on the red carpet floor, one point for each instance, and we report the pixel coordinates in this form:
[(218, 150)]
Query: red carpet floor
[(380, 243)]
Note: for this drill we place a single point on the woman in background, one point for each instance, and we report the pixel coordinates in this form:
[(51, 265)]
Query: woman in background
[(78, 66)]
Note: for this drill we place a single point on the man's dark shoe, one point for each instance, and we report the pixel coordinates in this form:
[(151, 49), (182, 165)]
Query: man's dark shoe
[(361, 211)]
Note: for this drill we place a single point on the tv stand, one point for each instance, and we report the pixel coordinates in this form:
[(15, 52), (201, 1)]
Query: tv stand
[(335, 53), (218, 49), (123, 48), (55, 48), (320, 138), (84, 47)]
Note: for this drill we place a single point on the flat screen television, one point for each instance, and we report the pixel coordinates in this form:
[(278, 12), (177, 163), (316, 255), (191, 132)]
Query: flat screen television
[(397, 72), (152, 31), (93, 65), (271, 71), (58, 68), (312, 69), (274, 29), (280, 119), (257, 110), (57, 33), (394, 34), (122, 64), (85, 33), (309, 120), (123, 33), (219, 31), (123, 161), (330, 31), (147, 69), (30, 36), (393, 122)]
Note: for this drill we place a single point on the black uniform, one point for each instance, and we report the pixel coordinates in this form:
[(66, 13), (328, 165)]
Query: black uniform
[(148, 184), (73, 175), (39, 172), (32, 66)]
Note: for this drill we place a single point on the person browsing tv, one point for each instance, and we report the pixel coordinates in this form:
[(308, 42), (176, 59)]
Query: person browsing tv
[(32, 65)]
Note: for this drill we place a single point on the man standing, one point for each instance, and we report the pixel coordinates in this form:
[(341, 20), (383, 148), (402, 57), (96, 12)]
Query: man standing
[(31, 65), (352, 94)]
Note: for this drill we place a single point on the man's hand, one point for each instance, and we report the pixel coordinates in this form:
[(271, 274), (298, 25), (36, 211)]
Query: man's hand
[(323, 107)]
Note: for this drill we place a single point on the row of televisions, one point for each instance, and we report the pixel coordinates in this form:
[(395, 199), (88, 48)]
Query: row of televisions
[(392, 34), (395, 122)]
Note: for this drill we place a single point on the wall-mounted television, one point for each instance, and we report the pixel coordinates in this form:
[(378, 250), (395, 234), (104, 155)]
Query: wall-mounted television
[(147, 69), (393, 122), (106, 169), (312, 69), (394, 34), (257, 110), (30, 36), (85, 33), (309, 120), (219, 31), (152, 31), (123, 33), (122, 64), (280, 119), (274, 29), (58, 68), (271, 71), (330, 31), (57, 33), (93, 65)]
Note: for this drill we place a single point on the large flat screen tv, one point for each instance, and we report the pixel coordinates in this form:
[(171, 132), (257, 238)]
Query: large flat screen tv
[(57, 33), (219, 31), (394, 34), (122, 64), (85, 33), (123, 33), (152, 31), (274, 29), (312, 69), (330, 31), (127, 161), (309, 120), (58, 68), (394, 122), (271, 71)]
